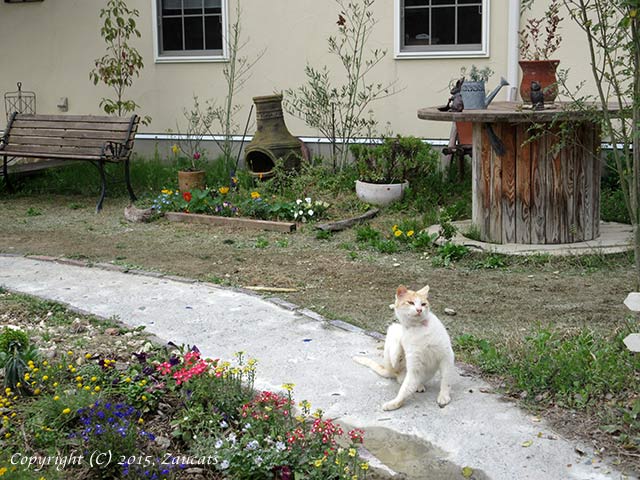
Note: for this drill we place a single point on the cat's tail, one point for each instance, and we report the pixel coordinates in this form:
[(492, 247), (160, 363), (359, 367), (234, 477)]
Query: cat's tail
[(375, 366)]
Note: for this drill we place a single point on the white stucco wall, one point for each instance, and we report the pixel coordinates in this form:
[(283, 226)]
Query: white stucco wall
[(50, 46)]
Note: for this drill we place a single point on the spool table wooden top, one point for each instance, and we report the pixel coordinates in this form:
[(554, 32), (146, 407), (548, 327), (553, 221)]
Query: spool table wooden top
[(513, 112)]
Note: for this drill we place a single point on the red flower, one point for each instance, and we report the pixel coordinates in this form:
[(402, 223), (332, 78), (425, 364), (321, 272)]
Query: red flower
[(186, 196), (196, 155)]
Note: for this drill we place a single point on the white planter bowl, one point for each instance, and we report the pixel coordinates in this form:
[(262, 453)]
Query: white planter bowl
[(380, 194)]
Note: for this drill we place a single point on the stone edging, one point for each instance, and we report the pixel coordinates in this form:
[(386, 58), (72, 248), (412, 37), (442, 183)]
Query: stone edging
[(305, 312)]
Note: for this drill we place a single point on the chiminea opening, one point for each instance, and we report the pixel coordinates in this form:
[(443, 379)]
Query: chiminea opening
[(259, 162)]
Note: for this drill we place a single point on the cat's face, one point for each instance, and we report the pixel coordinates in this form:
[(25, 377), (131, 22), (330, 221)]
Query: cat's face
[(411, 307)]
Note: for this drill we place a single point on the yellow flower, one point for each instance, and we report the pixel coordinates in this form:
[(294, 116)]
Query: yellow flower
[(3, 470), (255, 195), (56, 398), (70, 353), (36, 391), (410, 233), (7, 435), (87, 356), (55, 384), (45, 363), (175, 149), (234, 180), (318, 463), (66, 411), (97, 389), (364, 466), (45, 378), (394, 228), (352, 452), (144, 398), (26, 376), (87, 388), (7, 391), (288, 386), (78, 378), (398, 233), (127, 380), (223, 190), (93, 379), (140, 420)]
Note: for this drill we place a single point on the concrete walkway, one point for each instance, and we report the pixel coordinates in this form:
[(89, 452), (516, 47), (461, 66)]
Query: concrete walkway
[(477, 429)]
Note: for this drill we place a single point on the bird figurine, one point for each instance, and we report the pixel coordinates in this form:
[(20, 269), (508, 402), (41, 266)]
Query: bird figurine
[(537, 96)]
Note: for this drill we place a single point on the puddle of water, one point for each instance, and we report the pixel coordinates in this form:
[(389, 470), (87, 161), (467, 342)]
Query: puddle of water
[(414, 458)]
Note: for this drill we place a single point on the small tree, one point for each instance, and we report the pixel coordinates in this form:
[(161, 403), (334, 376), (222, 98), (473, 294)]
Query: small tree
[(342, 112), (122, 63), (612, 29)]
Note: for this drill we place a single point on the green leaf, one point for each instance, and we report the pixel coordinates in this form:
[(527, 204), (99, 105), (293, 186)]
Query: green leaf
[(467, 472)]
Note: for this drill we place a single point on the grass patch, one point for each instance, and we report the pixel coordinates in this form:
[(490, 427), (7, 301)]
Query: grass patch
[(582, 370)]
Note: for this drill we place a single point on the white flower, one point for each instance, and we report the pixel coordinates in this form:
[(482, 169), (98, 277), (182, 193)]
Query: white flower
[(246, 427), (224, 465), (310, 213), (232, 437), (298, 201), (295, 215), (258, 460), (223, 424), (281, 446), (253, 445), (219, 443), (300, 212), (308, 200)]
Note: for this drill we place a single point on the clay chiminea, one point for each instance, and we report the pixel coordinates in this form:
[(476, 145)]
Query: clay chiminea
[(272, 140)]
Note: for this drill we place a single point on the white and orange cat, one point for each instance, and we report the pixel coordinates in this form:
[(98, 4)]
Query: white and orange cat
[(415, 349)]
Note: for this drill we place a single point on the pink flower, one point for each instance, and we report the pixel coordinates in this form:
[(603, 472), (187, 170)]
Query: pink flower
[(196, 156)]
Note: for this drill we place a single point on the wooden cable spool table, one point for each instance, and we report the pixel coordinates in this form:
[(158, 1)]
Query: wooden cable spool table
[(544, 188)]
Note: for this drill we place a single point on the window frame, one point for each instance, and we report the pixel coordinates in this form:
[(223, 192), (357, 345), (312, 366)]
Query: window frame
[(442, 52), (187, 56)]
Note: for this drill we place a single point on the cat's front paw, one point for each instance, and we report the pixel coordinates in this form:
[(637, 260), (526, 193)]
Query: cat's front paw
[(443, 400), (392, 405), (421, 389)]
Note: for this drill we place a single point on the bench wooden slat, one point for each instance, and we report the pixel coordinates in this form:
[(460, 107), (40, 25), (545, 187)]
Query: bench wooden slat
[(111, 127), (62, 156), (49, 151), (55, 141), (46, 132), (74, 118)]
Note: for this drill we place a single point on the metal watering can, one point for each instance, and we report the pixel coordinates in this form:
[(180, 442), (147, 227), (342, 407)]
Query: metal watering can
[(474, 95)]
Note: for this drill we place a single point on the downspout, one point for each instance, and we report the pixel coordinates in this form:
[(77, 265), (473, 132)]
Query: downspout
[(513, 51)]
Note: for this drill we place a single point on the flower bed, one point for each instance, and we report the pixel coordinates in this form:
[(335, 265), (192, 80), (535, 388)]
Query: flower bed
[(161, 413), (229, 203)]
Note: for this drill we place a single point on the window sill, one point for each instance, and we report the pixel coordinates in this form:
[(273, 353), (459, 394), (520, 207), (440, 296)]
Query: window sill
[(450, 54), (191, 59)]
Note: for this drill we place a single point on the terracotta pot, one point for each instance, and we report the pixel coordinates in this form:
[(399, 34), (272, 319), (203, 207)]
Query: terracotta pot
[(188, 180), (465, 133), (543, 72)]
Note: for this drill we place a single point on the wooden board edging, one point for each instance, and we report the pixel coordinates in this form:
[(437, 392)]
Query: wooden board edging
[(248, 223)]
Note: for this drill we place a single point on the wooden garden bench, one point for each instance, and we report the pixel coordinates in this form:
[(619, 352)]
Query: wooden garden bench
[(96, 139)]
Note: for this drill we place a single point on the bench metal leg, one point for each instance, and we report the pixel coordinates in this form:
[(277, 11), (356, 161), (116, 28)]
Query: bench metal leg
[(127, 178), (5, 175), (103, 179)]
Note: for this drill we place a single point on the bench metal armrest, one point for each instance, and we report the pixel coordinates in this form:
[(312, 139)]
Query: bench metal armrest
[(114, 150)]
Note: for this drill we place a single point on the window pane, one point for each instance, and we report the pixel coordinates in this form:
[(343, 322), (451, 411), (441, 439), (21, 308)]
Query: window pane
[(448, 3), (193, 33), (213, 6), (474, 2), (213, 32), (171, 7), (469, 25), (416, 27), (172, 34), (193, 7), (416, 3), (444, 26)]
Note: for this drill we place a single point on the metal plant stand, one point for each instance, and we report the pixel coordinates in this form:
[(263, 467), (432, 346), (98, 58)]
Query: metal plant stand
[(21, 102)]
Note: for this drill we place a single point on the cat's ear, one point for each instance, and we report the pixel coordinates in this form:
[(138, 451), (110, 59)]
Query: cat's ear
[(401, 291), (424, 291)]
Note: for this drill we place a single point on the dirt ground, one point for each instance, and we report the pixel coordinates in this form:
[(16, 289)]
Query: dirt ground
[(336, 277)]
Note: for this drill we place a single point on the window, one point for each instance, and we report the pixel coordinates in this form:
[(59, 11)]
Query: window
[(442, 28), (190, 30)]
